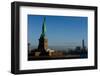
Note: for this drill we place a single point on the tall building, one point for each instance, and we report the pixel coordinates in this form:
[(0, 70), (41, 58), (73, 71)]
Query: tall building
[(43, 41), (83, 46)]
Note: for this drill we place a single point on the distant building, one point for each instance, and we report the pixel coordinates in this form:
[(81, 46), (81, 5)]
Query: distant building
[(83, 46)]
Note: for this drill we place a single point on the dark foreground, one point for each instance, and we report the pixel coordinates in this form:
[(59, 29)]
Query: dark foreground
[(30, 58)]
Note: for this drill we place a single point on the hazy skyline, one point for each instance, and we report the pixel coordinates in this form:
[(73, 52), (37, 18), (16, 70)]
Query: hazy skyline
[(61, 30)]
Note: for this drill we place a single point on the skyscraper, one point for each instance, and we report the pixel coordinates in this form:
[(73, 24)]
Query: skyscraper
[(83, 46)]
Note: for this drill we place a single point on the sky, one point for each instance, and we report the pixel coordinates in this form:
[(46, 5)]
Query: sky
[(60, 30)]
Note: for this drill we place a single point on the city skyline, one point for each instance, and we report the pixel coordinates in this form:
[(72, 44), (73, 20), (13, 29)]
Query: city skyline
[(61, 30)]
